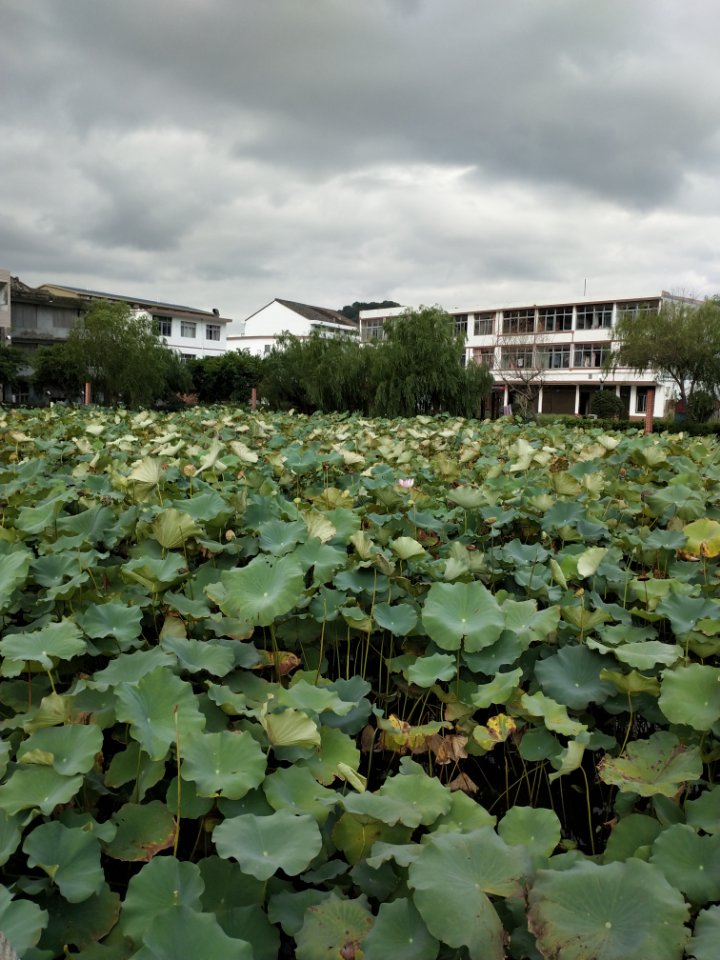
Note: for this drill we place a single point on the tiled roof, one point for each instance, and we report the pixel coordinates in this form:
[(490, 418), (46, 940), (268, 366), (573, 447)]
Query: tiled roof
[(318, 314)]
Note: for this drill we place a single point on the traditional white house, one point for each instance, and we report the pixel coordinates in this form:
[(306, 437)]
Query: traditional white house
[(558, 348), (260, 331), (191, 332)]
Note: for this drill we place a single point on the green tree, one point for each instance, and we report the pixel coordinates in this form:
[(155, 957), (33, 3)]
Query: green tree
[(118, 352), (680, 342), (318, 373), (11, 363), (230, 376), (55, 370), (419, 368)]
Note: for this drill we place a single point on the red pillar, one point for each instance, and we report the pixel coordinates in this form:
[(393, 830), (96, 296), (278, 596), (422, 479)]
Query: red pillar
[(650, 410)]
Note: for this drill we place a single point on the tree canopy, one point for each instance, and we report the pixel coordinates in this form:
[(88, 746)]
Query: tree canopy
[(680, 342), (419, 368), (118, 352)]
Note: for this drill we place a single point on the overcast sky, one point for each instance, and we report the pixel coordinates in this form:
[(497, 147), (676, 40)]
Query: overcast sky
[(221, 153)]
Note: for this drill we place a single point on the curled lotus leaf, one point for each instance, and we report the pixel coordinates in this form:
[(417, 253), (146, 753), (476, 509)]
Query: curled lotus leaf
[(703, 538), (173, 528)]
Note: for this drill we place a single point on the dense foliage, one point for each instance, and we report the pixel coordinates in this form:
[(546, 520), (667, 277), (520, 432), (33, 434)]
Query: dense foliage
[(332, 686), (228, 377), (118, 353), (606, 403), (416, 369), (680, 342)]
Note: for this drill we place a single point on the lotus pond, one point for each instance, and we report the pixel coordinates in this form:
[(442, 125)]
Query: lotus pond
[(329, 687)]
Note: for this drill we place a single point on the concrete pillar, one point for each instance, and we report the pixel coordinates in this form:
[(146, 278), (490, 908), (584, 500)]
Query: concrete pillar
[(540, 400), (577, 399)]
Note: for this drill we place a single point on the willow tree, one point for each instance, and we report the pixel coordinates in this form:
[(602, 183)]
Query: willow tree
[(680, 342), (117, 351), (419, 368)]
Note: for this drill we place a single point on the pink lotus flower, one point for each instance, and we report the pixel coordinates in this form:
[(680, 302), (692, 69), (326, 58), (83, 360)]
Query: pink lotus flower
[(406, 482)]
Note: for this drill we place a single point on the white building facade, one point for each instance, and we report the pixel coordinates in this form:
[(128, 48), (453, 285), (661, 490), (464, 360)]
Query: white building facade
[(557, 349), (260, 331)]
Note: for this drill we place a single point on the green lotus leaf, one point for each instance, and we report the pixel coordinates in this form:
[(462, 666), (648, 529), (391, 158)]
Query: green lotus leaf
[(451, 880), (626, 910), (263, 590), (589, 561), (130, 668), (162, 886), (264, 845), (10, 836), (38, 787), (68, 749), (146, 473), (143, 830), (69, 856), (173, 528), (21, 922), (290, 728), (691, 695), (554, 714), (61, 641), (196, 656), (183, 932), (465, 814), (312, 699), (661, 765), (132, 764), (406, 548), (208, 508), (469, 498), (529, 624), (289, 907), (153, 573), (333, 928), (457, 612), (703, 538), (632, 682), (81, 924), (409, 799), (295, 789), (224, 763), (684, 612), (403, 854), (160, 708), (629, 834), (572, 677), (13, 574), (706, 935), (644, 655), (498, 691), (690, 862), (399, 619), (278, 537), (33, 520), (427, 670), (113, 619), (538, 830), (703, 812), (357, 835)]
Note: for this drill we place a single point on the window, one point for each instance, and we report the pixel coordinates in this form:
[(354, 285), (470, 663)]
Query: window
[(484, 324), (461, 320), (267, 348), (188, 329), (483, 355), (372, 329), (163, 326), (641, 397), (639, 307), (591, 355), (519, 321), (517, 358), (556, 358), (184, 357), (594, 316), (554, 319), (212, 331)]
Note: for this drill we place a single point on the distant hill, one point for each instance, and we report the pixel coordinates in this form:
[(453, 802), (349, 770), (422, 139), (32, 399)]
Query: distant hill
[(352, 311)]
